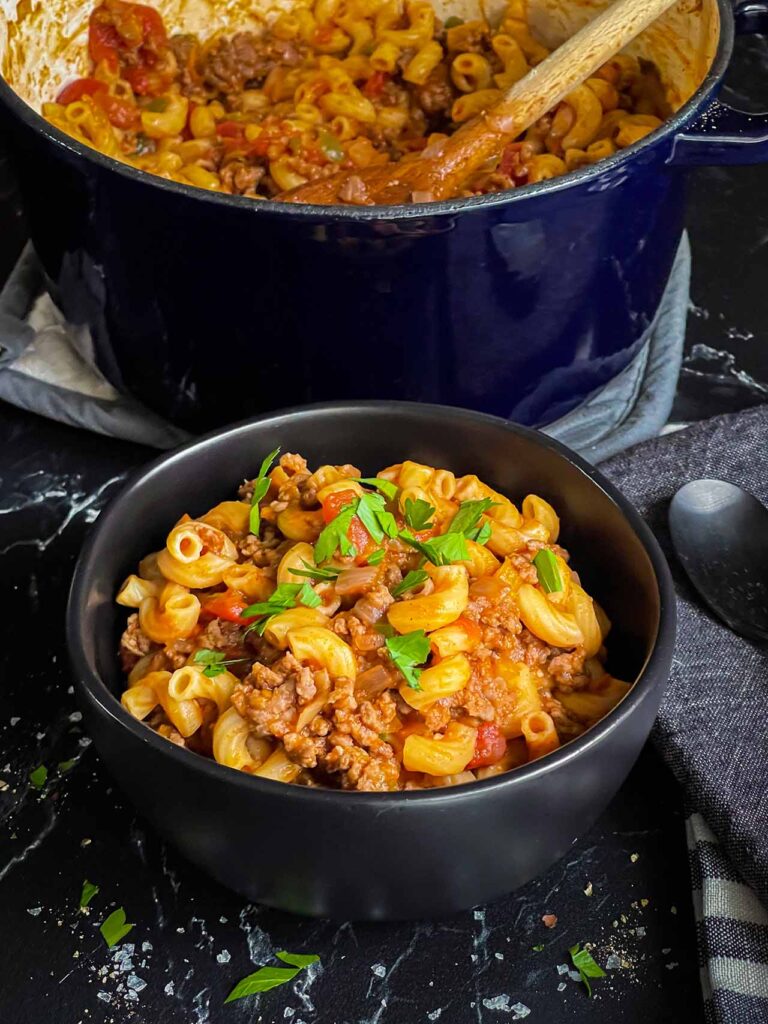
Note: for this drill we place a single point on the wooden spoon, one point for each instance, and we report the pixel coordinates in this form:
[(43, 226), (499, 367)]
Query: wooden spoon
[(442, 173)]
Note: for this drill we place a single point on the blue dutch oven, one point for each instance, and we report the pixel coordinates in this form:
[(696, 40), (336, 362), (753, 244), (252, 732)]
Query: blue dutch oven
[(211, 307)]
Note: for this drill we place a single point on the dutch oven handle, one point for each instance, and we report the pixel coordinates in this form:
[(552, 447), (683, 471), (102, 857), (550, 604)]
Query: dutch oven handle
[(723, 134)]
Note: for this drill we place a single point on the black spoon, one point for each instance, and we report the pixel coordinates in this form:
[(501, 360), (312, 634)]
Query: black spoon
[(720, 534)]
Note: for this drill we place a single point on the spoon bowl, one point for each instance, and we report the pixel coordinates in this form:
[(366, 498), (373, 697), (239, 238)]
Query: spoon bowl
[(720, 534)]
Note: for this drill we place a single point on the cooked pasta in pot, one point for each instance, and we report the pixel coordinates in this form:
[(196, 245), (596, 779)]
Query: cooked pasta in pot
[(334, 85), (405, 631)]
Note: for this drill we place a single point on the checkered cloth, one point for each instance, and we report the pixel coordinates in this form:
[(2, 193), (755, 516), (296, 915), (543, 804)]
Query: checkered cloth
[(711, 728)]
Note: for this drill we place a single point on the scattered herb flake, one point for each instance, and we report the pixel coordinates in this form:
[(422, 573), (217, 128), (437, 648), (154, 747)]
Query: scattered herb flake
[(418, 514), (414, 579), (38, 776), (548, 572), (308, 597), (267, 978), (538, 948), (314, 572), (388, 489), (115, 927), (586, 965), (453, 22), (260, 488), (214, 661), (297, 959), (407, 653), (376, 557), (65, 766), (89, 891)]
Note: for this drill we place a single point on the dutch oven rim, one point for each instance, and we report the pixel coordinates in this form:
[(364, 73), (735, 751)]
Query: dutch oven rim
[(414, 211), (653, 674)]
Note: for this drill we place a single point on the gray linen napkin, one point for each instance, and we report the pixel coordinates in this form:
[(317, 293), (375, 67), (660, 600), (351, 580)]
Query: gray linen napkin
[(712, 727)]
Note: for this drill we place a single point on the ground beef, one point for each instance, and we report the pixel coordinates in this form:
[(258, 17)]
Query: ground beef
[(265, 553), (567, 669), (230, 63), (134, 644), (436, 96), (178, 653), (185, 49), (220, 635), (240, 179)]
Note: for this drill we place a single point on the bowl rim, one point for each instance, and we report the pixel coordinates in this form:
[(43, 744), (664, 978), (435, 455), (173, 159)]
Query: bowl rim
[(652, 675), (413, 211)]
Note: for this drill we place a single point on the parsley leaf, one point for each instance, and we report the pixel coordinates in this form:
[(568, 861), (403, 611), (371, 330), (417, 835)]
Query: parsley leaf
[(376, 557), (407, 652), (538, 949), (414, 579), (267, 978), (385, 629), (308, 597), (481, 535), (442, 550), (115, 927), (548, 571), (313, 572), (286, 595), (335, 535), (260, 488), (586, 965), (468, 516), (38, 776), (375, 518), (65, 766), (89, 891), (389, 490), (297, 959), (214, 661), (418, 514)]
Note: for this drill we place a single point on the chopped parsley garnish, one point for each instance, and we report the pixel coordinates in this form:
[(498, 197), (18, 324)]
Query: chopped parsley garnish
[(418, 514), (548, 571), (385, 629), (158, 105), (335, 536), (442, 550), (267, 978), (538, 948), (414, 579), (373, 515), (65, 766), (407, 653), (260, 488), (89, 891), (214, 661), (388, 489), (315, 572), (586, 965), (453, 22), (115, 927), (287, 595), (376, 557), (38, 776), (467, 518)]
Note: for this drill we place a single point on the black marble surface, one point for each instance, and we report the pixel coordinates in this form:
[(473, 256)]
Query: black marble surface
[(625, 887)]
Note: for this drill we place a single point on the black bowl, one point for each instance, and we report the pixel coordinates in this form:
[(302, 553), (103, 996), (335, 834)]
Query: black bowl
[(371, 856)]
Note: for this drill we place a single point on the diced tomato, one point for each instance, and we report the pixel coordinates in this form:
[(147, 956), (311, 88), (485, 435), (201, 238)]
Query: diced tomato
[(153, 29), (146, 82), (230, 130), (121, 113), (82, 87), (490, 746), (334, 502), (227, 605), (375, 85), (103, 40), (323, 35)]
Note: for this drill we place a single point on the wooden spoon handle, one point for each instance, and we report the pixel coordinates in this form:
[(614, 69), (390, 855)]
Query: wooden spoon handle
[(442, 175)]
